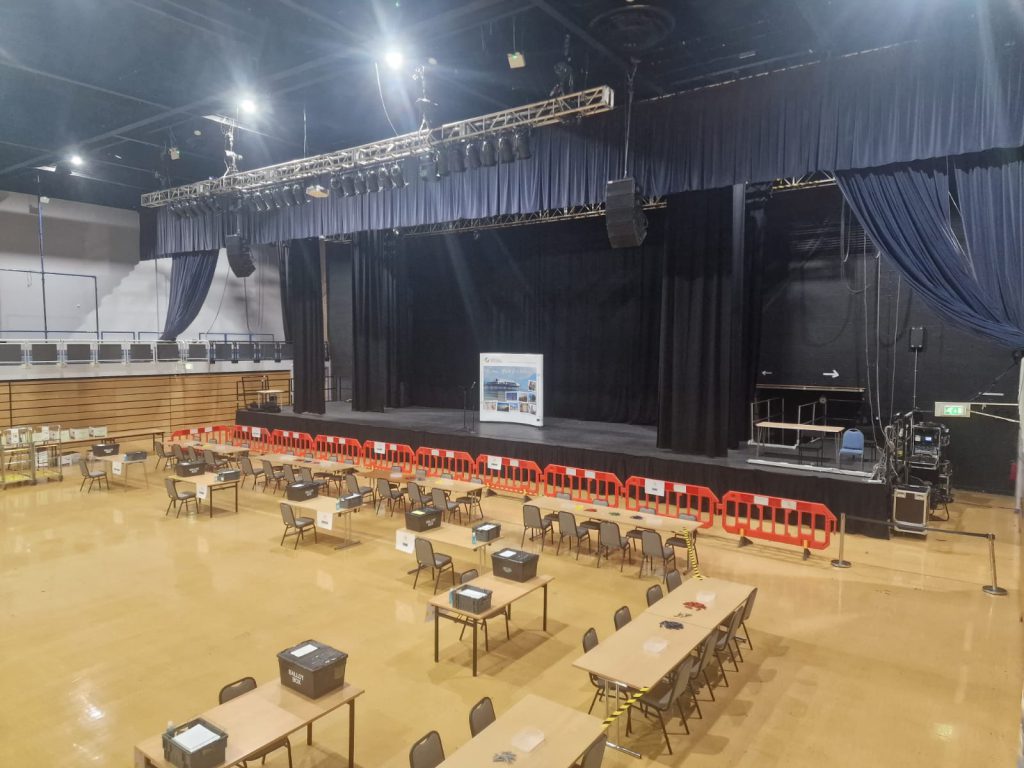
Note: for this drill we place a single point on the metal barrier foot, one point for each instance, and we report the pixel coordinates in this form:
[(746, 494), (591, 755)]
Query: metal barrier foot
[(744, 541)]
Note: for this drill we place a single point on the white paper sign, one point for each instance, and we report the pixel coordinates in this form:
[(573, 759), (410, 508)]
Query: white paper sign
[(788, 504), (570, 471), (654, 487), (306, 649), (202, 492), (761, 501), (117, 468), (256, 431), (450, 454), (679, 488), (494, 462), (513, 462), (379, 449), (405, 541), (434, 452), (590, 474)]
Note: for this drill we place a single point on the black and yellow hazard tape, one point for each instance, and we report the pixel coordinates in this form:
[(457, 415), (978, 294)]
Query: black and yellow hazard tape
[(626, 704), (691, 554)]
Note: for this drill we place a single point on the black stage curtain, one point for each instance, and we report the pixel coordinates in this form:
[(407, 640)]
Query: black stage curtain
[(556, 289), (191, 275), (706, 324), (376, 322), (306, 321), (899, 104), (282, 277)]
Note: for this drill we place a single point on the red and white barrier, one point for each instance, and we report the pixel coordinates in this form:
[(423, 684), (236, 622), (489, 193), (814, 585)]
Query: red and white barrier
[(501, 473), (663, 497)]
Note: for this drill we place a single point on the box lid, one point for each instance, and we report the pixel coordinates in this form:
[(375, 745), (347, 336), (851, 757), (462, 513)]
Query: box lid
[(311, 655), (515, 555)]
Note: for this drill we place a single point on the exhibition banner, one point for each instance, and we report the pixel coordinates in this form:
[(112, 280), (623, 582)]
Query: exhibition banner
[(512, 388)]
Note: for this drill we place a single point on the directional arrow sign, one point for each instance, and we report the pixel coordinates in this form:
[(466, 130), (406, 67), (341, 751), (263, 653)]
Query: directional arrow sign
[(766, 373), (833, 374)]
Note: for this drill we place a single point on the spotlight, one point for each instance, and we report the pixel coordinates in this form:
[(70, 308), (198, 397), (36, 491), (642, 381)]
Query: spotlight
[(442, 163), (397, 175), (487, 157), (298, 195), (257, 202), (372, 185), (384, 178), (175, 209), (472, 156), (247, 105), (455, 159), (505, 152), (335, 183), (76, 160), (523, 145), (394, 59), (277, 195), (348, 185), (360, 183), (428, 167)]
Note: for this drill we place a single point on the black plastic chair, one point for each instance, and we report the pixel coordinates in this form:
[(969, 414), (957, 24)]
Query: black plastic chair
[(611, 539), (567, 529), (428, 752), (92, 476), (435, 561), (481, 715), (295, 526), (532, 521), (178, 499)]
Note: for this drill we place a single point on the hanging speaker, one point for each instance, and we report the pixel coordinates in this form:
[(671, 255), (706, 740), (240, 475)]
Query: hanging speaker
[(239, 257), (624, 215), (917, 338)]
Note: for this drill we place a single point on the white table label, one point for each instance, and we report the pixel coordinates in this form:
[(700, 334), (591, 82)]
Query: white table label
[(494, 462), (405, 541), (202, 492), (654, 487), (117, 468)]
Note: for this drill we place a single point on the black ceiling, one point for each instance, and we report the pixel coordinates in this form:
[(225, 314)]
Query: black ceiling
[(120, 81)]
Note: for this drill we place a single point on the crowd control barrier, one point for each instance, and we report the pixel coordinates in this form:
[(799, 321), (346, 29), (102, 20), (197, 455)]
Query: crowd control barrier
[(286, 441), (378, 455), (514, 475), (663, 497), (436, 462), (340, 449), (256, 439), (587, 485), (806, 524), (214, 433)]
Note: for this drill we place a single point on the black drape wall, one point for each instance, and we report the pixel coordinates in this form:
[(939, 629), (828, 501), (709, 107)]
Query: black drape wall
[(557, 289), (306, 322), (376, 322), (191, 275)]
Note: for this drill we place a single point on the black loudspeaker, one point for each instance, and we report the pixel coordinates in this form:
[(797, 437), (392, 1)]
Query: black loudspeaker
[(239, 257), (917, 338), (624, 216)]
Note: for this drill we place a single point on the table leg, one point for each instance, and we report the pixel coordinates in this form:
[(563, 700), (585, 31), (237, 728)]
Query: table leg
[(145, 473), (209, 499), (309, 733), (236, 498), (352, 733), (476, 625), (545, 607), (437, 623)]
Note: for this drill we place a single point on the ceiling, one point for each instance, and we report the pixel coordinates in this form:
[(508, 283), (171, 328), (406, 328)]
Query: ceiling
[(121, 82)]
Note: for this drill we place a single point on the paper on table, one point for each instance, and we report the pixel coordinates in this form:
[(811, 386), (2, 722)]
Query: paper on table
[(655, 645), (507, 553), (195, 738), (527, 739), (307, 648), (475, 594), (485, 527)]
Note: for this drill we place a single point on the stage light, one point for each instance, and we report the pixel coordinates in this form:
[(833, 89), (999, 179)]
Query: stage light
[(394, 59), (505, 151), (487, 157), (455, 159), (372, 185), (523, 145), (397, 175), (384, 178), (247, 105), (360, 183), (335, 183), (76, 160), (299, 194), (257, 201), (348, 185), (442, 163), (278, 197), (472, 156), (428, 167)]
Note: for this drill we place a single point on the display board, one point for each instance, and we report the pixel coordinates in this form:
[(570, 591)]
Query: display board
[(512, 388)]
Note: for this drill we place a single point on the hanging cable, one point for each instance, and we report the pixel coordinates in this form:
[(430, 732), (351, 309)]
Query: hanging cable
[(380, 92), (895, 336)]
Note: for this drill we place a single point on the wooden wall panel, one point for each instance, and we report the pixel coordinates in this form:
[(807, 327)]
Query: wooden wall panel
[(126, 403)]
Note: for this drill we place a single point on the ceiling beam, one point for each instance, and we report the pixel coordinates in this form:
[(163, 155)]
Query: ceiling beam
[(230, 33), (580, 32)]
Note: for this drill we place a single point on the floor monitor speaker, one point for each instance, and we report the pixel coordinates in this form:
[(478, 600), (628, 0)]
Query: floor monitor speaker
[(239, 257), (624, 215)]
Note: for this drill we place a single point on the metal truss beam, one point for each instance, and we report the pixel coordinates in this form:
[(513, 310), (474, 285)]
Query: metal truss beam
[(581, 103)]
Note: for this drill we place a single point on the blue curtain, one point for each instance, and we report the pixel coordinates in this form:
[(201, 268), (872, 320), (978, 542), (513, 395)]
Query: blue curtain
[(906, 211), (191, 275), (895, 105)]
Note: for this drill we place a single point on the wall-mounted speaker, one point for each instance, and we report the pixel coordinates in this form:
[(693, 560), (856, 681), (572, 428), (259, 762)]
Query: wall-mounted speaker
[(917, 338), (239, 257), (624, 214)]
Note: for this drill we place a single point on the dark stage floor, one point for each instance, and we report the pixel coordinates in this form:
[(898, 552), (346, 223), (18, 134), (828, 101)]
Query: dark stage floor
[(625, 449)]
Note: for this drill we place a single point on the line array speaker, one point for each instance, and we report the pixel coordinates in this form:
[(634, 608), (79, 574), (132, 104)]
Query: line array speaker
[(624, 215), (239, 257)]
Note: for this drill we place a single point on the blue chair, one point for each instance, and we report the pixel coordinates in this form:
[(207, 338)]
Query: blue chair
[(853, 445)]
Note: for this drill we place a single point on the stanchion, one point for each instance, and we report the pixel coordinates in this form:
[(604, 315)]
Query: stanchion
[(993, 588), (839, 562)]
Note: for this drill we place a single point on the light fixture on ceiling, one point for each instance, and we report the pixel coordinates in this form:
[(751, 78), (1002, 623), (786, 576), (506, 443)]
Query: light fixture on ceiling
[(516, 59), (456, 159), (428, 167), (472, 156), (348, 185), (174, 153), (442, 162), (372, 184), (360, 183), (487, 157), (384, 178), (506, 154), (298, 194), (394, 59), (523, 145), (247, 105), (76, 160), (398, 175)]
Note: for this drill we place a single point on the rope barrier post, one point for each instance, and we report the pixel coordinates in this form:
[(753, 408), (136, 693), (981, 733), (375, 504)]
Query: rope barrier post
[(839, 562), (993, 588)]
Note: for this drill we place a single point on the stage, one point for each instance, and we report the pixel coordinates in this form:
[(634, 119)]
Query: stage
[(625, 449)]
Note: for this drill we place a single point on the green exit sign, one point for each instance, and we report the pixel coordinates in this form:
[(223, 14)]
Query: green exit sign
[(953, 410)]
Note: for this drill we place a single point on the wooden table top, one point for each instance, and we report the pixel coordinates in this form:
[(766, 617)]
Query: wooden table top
[(221, 448), (123, 458), (503, 592), (445, 484), (321, 504), (316, 465), (256, 719), (728, 596), (567, 734), (209, 479), (619, 515), (621, 657), (803, 427), (385, 474), (456, 536)]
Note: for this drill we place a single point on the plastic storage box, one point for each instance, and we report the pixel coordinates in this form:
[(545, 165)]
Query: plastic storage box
[(105, 449), (487, 531), (514, 564), (229, 474), (301, 491), (472, 599), (189, 468), (422, 519), (312, 668), (207, 753), (352, 501)]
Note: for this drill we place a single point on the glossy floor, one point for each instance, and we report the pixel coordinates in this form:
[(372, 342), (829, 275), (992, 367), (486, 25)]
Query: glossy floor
[(116, 619)]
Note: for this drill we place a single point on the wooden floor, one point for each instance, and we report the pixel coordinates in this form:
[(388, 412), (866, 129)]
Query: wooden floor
[(115, 619)]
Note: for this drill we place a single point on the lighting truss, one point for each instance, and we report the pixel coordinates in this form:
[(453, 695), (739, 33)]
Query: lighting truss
[(580, 104), (813, 179)]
